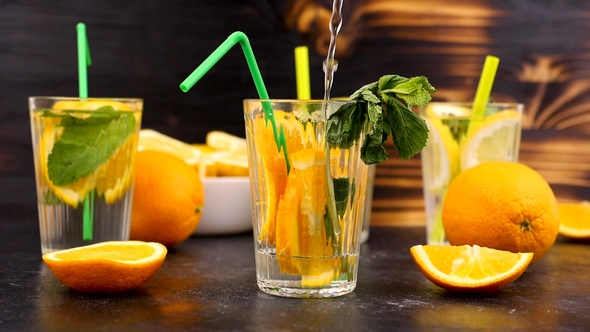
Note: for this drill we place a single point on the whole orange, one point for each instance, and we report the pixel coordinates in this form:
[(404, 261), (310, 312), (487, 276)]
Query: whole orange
[(168, 199), (501, 205)]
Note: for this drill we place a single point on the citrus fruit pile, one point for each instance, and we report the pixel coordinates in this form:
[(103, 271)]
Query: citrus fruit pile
[(114, 266), (168, 198), (470, 268), (501, 205), (223, 154), (575, 220), (111, 179)]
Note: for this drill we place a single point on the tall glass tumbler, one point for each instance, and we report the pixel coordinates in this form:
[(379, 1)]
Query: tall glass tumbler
[(457, 142), (308, 201), (84, 152)]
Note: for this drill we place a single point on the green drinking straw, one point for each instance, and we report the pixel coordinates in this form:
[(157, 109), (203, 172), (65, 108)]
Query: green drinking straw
[(302, 72), (211, 60), (84, 61), (484, 89)]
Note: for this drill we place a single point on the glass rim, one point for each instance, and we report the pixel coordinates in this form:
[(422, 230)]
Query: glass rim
[(300, 101), (61, 98), (469, 103)]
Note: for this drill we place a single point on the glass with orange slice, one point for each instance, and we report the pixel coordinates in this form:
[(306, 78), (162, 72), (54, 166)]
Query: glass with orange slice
[(307, 200), (84, 152), (457, 143)]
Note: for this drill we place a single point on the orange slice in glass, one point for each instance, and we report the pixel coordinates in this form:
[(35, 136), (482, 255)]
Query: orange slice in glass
[(287, 230)]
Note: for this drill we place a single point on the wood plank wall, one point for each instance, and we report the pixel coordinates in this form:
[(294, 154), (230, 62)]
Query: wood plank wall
[(146, 48)]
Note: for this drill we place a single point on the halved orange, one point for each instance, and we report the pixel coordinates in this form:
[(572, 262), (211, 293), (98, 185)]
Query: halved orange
[(107, 267), (574, 220), (469, 268)]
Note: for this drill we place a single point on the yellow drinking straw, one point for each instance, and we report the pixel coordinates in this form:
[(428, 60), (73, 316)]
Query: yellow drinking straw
[(484, 89), (84, 61), (302, 72)]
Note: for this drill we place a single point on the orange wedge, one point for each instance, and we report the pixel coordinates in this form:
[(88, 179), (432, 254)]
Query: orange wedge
[(574, 220), (107, 267), (470, 269)]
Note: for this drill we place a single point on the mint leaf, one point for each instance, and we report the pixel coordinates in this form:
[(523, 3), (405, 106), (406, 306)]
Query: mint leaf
[(343, 126), (341, 194), (407, 130), (384, 107), (87, 143), (415, 91)]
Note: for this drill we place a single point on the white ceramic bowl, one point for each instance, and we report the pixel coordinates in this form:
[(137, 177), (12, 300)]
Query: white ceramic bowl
[(228, 209)]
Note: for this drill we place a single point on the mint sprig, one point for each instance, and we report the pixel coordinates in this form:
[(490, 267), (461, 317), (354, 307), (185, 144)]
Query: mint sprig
[(87, 143), (382, 109)]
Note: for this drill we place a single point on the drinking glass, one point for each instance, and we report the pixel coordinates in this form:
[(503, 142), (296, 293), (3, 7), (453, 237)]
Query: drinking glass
[(308, 199), (84, 153), (457, 142)]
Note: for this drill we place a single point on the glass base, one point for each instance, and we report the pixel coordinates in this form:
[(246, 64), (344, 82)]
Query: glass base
[(293, 290)]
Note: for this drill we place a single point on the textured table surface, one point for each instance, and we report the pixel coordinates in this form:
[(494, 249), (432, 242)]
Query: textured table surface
[(208, 283)]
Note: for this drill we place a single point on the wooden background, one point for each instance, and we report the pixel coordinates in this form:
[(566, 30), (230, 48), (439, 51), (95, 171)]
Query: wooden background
[(146, 48)]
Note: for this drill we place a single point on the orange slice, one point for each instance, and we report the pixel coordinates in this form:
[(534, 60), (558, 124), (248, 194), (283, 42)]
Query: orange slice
[(155, 141), (272, 172), (107, 267), (229, 163), (219, 140), (469, 269), (574, 220), (287, 230)]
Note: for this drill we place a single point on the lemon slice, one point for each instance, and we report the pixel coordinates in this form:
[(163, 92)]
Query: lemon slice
[(220, 140), (155, 141), (89, 105), (441, 110), (230, 163), (116, 175), (324, 277), (111, 179), (444, 149), (71, 194), (495, 138)]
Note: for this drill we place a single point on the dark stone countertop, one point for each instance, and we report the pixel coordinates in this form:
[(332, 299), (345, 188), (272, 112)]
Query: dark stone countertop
[(209, 284)]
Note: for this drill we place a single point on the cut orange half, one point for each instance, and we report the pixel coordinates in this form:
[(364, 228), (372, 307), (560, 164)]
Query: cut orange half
[(469, 269), (574, 220), (107, 267)]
